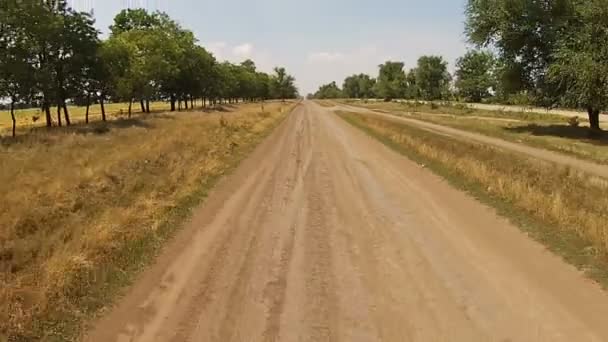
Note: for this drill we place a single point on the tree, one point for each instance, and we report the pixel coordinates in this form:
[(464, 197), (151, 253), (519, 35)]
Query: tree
[(60, 43), (359, 86), (432, 77), (118, 70), (283, 85), (476, 75), (329, 91), (134, 19), (411, 91), (525, 34), (16, 81), (580, 66), (391, 83), (75, 52), (52, 55)]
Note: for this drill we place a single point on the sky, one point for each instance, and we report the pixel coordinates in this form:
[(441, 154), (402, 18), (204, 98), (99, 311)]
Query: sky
[(318, 41)]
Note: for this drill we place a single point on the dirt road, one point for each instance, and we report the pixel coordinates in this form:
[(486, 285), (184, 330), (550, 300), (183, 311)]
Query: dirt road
[(539, 153), (323, 234), (523, 109)]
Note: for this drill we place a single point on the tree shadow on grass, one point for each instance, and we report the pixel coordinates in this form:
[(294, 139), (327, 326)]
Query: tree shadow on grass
[(45, 135), (563, 131)]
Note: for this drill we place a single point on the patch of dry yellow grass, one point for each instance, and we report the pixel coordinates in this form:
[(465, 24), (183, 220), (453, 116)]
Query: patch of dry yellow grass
[(72, 198)]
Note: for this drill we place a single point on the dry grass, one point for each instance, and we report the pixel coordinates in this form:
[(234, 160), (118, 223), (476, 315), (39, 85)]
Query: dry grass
[(76, 200), (562, 200), (548, 131)]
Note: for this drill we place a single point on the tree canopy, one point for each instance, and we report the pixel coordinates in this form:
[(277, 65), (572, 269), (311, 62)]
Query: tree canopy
[(329, 91), (391, 81), (476, 75), (432, 77), (552, 50), (52, 55), (359, 87)]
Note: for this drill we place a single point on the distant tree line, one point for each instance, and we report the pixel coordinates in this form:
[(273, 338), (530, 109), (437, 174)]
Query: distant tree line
[(52, 55), (430, 80), (544, 53)]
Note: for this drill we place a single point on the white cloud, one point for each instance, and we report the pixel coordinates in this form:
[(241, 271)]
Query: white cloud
[(326, 57), (217, 49), (237, 53), (243, 50)]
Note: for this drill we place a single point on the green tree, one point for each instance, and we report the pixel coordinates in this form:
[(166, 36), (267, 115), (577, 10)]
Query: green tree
[(476, 75), (359, 86), (119, 70), (282, 85), (525, 33), (134, 19), (16, 81), (39, 23), (75, 52), (432, 77), (329, 91), (411, 91), (391, 83), (580, 65)]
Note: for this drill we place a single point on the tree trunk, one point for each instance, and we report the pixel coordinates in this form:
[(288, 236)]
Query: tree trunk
[(191, 101), (130, 106), (186, 103), (103, 109), (66, 114), (86, 116), (143, 105), (147, 106), (13, 118), (594, 118), (59, 115), (173, 103), (47, 112)]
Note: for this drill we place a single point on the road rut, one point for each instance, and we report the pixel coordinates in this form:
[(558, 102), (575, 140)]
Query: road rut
[(324, 234)]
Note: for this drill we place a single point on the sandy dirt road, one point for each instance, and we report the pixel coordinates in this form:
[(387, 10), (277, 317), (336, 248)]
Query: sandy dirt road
[(596, 169), (523, 109), (324, 234)]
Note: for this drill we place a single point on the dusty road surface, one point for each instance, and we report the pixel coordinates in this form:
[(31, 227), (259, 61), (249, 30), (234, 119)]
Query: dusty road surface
[(523, 109), (323, 234)]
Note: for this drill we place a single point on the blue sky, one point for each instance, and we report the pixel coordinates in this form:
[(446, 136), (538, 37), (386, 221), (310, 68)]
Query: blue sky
[(317, 41)]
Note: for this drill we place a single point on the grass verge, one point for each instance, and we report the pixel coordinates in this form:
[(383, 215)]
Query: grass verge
[(547, 131), (83, 213), (562, 208)]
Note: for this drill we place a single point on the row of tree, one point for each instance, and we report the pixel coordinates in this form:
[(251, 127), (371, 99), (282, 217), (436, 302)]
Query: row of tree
[(430, 80), (52, 55), (555, 52), (547, 53)]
